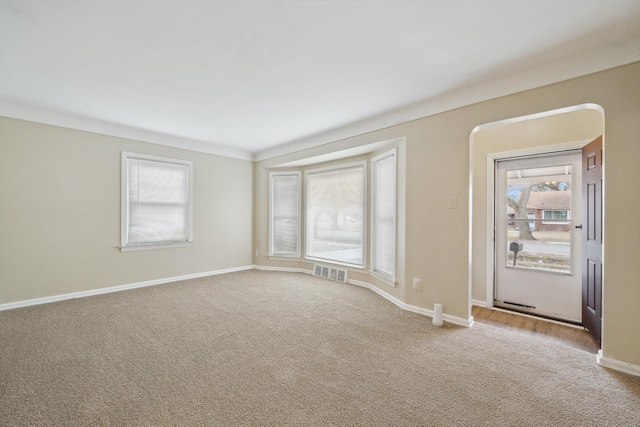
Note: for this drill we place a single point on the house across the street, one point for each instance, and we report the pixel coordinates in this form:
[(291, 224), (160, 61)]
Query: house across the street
[(549, 207)]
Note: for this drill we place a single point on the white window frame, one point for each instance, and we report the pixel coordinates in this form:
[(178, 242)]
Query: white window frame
[(271, 206), (556, 221), (124, 228), (390, 153), (350, 165)]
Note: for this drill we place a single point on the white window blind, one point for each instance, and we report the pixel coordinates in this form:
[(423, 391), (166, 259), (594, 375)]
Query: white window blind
[(156, 201), (384, 214), (335, 214), (285, 214)]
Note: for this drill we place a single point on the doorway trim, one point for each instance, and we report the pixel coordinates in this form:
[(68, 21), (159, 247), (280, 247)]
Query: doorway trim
[(485, 245), (545, 307), (492, 158)]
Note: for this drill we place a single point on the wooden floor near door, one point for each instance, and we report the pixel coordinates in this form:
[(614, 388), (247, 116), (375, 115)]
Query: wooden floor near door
[(538, 327)]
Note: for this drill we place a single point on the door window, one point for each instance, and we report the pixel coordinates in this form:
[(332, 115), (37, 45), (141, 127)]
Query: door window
[(536, 252), (538, 210)]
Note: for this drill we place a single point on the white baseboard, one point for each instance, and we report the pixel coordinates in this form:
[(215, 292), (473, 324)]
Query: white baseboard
[(118, 288), (479, 303), (394, 300), (415, 309), (618, 365)]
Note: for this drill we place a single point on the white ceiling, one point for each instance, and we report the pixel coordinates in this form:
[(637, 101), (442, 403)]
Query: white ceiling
[(254, 79)]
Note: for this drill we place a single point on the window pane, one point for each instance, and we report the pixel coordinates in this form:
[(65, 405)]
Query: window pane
[(158, 202), (556, 215), (549, 251), (538, 212), (384, 209), (335, 215), (285, 190)]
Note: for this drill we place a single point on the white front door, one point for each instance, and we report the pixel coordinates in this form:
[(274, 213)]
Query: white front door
[(537, 252)]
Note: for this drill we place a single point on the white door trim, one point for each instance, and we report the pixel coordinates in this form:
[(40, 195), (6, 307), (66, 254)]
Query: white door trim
[(491, 181), (554, 294)]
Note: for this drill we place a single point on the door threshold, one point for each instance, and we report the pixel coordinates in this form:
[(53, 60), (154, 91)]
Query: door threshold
[(498, 305)]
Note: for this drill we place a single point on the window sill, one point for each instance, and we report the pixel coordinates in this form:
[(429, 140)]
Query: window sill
[(351, 267), (382, 278), (155, 246), (285, 258), (355, 267)]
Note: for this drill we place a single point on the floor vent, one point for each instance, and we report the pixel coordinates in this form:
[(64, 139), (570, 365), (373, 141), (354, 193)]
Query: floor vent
[(330, 273)]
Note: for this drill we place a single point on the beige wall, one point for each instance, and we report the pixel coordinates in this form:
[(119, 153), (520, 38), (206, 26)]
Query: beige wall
[(60, 213), (437, 167), (60, 206)]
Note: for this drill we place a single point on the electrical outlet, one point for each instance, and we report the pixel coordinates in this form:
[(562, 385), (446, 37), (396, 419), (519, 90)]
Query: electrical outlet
[(452, 202), (257, 252), (416, 283)]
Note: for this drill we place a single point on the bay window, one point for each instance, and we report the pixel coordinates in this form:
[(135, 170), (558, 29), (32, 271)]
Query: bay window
[(284, 215), (383, 223), (335, 214)]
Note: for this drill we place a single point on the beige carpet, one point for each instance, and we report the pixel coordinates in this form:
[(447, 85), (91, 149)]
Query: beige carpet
[(267, 349)]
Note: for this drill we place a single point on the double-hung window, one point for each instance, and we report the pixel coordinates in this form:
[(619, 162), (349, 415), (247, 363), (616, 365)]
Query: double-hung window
[(284, 214), (157, 202), (383, 223), (335, 214), (553, 216)]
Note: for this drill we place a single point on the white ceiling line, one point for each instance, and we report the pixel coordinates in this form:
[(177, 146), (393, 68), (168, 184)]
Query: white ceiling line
[(620, 55), (256, 80), (56, 118), (592, 62)]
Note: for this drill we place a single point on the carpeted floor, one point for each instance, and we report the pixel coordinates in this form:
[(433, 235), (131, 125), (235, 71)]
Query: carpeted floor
[(267, 349)]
